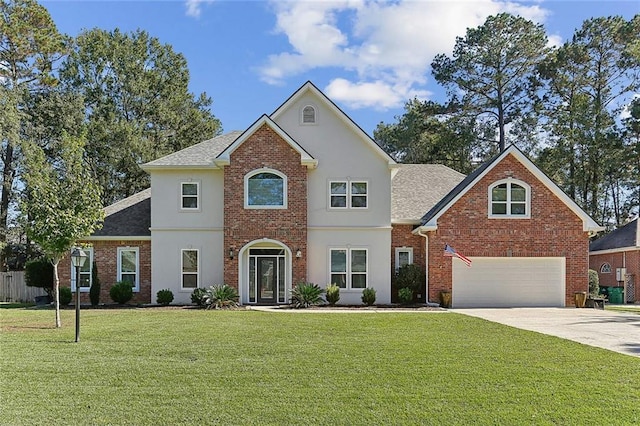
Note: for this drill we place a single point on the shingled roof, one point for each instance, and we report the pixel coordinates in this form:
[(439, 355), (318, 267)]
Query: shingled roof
[(416, 188), (199, 155), (625, 237), (130, 217)]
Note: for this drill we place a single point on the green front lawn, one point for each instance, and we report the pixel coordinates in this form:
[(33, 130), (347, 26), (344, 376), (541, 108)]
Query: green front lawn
[(183, 366)]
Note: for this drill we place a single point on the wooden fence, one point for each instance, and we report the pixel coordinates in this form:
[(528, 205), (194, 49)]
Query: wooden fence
[(14, 289)]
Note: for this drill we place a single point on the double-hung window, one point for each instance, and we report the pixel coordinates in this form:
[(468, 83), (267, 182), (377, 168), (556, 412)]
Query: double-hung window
[(404, 256), (85, 272), (509, 198), (190, 195), (190, 269), (128, 266), (349, 194), (348, 268)]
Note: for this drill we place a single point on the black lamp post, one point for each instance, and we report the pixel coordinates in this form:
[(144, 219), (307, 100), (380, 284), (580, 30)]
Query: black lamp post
[(78, 257)]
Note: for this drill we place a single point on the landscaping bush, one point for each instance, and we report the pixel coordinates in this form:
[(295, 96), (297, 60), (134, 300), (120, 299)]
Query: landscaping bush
[(405, 295), (306, 294), (164, 297), (594, 283), (411, 276), (198, 296), (221, 297), (121, 292), (94, 291), (65, 295), (332, 294), (39, 273), (369, 296)]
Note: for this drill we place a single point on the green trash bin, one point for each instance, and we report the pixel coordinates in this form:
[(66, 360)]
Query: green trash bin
[(615, 295)]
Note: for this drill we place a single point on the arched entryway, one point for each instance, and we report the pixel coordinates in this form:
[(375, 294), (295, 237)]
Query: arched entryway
[(264, 272)]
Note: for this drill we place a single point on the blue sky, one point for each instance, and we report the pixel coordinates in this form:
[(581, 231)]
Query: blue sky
[(368, 56)]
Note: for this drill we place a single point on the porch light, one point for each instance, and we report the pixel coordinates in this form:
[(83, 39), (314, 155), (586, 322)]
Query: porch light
[(298, 253), (78, 257), (231, 253)]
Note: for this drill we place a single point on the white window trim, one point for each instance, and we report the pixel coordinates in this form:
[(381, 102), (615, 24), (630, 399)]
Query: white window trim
[(136, 287), (508, 215), (182, 196), (285, 189), (348, 271), (349, 194), (89, 252), (603, 269), (315, 115), (401, 250), (182, 273)]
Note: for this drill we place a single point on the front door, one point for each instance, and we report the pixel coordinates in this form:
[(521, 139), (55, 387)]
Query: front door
[(267, 279)]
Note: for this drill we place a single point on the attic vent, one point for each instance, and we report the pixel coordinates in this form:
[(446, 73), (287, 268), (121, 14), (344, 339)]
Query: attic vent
[(308, 115)]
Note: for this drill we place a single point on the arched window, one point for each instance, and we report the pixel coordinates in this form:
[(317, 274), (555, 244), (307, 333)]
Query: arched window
[(265, 189), (605, 268), (308, 115), (509, 198)]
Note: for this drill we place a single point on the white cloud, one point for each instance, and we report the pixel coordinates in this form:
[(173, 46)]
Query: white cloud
[(387, 46), (194, 7)]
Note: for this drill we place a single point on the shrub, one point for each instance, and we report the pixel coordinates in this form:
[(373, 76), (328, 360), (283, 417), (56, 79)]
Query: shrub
[(594, 283), (369, 296), (39, 273), (332, 294), (405, 294), (164, 297), (198, 296), (121, 292), (94, 291), (65, 295), (306, 294), (411, 276), (221, 297)]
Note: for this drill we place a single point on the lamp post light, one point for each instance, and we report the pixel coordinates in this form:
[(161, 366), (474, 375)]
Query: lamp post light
[(78, 257)]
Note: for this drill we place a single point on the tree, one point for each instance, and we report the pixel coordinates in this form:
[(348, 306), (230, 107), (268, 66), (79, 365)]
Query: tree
[(67, 205), (590, 79), (494, 67), (137, 105), (29, 46)]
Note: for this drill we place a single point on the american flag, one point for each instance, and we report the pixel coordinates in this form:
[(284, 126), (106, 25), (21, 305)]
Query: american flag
[(451, 252)]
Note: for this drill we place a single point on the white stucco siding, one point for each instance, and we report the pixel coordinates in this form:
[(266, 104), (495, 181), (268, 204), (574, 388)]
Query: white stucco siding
[(166, 252), (166, 200), (342, 154), (376, 241)]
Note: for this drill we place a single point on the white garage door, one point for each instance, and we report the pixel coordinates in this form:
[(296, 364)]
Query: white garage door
[(509, 282)]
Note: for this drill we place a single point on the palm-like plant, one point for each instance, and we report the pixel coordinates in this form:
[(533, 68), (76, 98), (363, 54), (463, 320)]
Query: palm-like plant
[(306, 294), (221, 297)]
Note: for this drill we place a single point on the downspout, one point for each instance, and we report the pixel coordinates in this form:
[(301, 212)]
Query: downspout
[(426, 263)]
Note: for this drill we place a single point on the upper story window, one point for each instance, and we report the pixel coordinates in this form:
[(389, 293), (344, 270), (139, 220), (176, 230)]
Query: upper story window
[(509, 198), (85, 272), (349, 194), (190, 195), (308, 115), (605, 268), (265, 189)]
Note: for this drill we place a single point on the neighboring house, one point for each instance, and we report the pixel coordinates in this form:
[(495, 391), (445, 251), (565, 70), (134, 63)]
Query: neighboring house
[(616, 258), (304, 194)]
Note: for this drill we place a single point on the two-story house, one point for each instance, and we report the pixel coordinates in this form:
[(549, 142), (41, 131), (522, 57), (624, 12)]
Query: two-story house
[(304, 194)]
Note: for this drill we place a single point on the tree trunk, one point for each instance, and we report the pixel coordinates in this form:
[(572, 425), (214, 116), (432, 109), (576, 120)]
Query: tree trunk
[(7, 186)]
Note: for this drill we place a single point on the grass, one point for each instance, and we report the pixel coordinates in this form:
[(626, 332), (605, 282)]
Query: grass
[(634, 309), (181, 366)]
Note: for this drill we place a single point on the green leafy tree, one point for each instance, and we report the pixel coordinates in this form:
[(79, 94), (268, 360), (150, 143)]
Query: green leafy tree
[(66, 203), (137, 105), (30, 44), (494, 68)]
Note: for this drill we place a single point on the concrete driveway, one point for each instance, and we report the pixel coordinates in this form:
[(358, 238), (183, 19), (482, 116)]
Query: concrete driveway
[(615, 331)]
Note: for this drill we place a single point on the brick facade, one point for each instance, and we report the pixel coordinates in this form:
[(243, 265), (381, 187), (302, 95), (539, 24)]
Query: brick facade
[(553, 230), (105, 254), (628, 259), (265, 148), (401, 237)]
